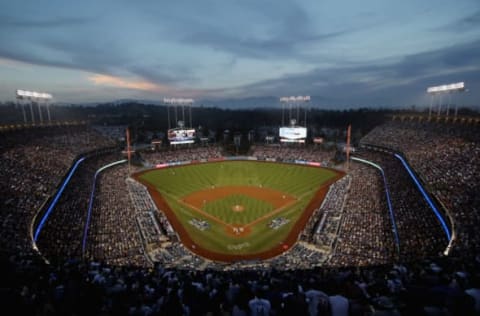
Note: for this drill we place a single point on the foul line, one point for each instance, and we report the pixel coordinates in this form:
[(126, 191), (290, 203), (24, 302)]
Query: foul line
[(199, 210), (254, 222), (281, 208), (288, 204), (216, 219)]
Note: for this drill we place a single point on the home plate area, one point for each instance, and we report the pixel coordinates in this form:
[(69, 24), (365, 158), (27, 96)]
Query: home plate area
[(238, 230)]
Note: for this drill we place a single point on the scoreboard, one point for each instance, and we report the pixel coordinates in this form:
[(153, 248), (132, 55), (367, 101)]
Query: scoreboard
[(181, 136), (293, 134)]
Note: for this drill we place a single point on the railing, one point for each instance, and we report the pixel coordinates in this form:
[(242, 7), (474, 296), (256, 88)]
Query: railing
[(389, 202), (43, 213), (439, 209)]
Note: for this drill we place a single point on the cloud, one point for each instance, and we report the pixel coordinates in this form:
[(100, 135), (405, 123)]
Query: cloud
[(373, 84), (117, 82), (59, 22), (147, 86), (281, 45), (230, 48), (11, 62), (470, 22), (282, 30), (164, 73)]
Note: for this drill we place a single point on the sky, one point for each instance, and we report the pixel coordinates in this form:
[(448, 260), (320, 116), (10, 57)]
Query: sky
[(346, 52)]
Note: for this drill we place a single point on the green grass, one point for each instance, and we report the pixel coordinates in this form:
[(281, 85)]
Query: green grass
[(222, 209), (296, 180)]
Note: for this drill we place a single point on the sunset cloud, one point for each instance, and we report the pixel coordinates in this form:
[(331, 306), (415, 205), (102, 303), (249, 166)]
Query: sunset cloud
[(118, 82), (343, 52)]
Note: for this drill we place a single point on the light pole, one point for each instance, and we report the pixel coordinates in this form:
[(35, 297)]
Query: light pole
[(294, 101), (38, 97), (179, 102), (441, 90)]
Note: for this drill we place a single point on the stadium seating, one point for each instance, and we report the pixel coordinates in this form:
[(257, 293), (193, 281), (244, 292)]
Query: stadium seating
[(350, 234)]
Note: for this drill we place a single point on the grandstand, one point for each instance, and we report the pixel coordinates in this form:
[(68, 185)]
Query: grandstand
[(395, 235)]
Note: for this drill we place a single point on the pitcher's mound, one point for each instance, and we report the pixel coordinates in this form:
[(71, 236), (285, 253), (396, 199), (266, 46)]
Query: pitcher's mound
[(238, 208)]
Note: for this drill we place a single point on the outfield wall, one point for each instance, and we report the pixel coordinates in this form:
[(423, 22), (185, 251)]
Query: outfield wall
[(239, 158)]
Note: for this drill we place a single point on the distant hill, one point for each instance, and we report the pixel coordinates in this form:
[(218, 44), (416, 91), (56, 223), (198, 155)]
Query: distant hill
[(228, 103), (241, 103), (256, 102)]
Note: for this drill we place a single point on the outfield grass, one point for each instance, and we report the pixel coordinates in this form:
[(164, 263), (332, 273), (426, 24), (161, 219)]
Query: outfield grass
[(300, 182)]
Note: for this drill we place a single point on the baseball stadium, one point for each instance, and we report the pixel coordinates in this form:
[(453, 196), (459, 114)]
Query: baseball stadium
[(240, 158), (279, 207)]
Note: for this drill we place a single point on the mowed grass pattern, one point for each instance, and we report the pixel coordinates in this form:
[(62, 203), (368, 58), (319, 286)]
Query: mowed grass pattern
[(253, 209), (299, 181)]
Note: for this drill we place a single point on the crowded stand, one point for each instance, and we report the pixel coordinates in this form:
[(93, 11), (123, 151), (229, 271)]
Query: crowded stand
[(325, 221), (112, 132), (62, 234), (139, 196), (182, 154), (365, 236), (113, 233), (33, 161), (439, 287), (420, 232), (149, 228), (445, 156), (292, 153), (142, 202), (344, 263)]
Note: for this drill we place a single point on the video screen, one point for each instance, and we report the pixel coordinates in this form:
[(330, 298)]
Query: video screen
[(181, 136), (293, 133)]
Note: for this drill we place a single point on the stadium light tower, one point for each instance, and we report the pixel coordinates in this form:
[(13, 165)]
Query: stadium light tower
[(291, 102), (175, 102), (33, 96), (442, 90)]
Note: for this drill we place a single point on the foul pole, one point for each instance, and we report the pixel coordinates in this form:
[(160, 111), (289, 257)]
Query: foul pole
[(347, 149), (129, 153)]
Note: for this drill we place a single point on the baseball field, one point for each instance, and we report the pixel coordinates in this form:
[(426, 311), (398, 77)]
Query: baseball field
[(238, 210)]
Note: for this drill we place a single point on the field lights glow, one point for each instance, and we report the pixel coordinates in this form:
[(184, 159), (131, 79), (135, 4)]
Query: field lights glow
[(177, 101), (447, 87), (295, 99), (33, 94)]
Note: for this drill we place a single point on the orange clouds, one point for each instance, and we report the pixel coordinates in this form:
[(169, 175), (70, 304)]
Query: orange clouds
[(117, 82), (147, 86)]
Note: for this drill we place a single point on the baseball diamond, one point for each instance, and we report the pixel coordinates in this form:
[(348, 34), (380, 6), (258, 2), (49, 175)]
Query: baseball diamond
[(237, 201)]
